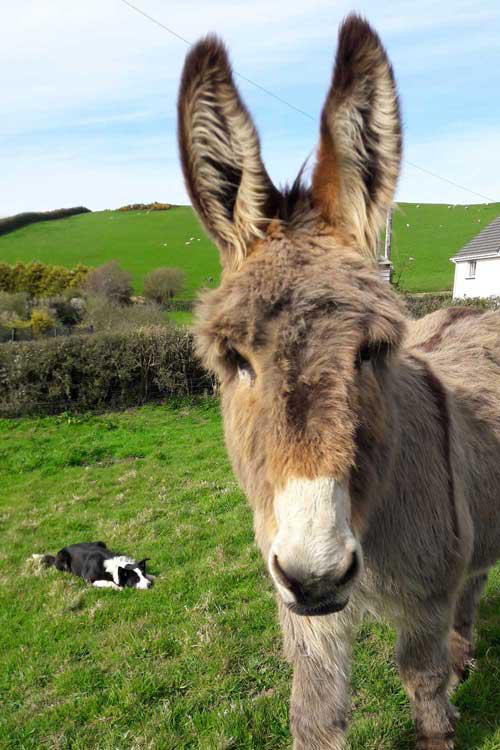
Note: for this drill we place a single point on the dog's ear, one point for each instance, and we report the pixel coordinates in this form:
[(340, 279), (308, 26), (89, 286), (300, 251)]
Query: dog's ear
[(123, 576), (142, 565)]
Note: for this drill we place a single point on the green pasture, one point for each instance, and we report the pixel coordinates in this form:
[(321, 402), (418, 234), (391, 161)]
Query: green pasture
[(194, 663), (142, 240), (138, 240)]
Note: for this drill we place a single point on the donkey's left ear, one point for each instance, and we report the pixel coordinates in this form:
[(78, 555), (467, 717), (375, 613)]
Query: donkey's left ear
[(359, 152), (220, 153)]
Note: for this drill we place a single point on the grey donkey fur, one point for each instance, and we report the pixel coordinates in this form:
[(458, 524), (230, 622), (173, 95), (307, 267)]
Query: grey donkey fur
[(326, 386)]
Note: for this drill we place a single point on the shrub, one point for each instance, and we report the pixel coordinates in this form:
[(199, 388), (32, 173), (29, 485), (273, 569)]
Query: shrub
[(7, 278), (181, 305), (104, 315), (111, 281), (14, 305), (162, 284), (98, 371), (40, 280), (156, 206), (420, 305), (41, 321), (66, 311)]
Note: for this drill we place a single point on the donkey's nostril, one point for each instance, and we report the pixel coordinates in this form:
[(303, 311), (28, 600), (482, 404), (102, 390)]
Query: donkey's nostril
[(351, 571), (280, 574)]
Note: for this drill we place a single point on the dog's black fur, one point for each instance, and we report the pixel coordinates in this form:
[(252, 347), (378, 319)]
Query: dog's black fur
[(88, 561)]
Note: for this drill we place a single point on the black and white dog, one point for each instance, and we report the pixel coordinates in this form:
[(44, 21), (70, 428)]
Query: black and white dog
[(100, 567)]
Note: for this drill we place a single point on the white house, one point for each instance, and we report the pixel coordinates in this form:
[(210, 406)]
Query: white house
[(477, 265)]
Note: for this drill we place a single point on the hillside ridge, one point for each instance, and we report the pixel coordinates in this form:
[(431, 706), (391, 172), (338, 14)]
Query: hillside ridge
[(425, 236)]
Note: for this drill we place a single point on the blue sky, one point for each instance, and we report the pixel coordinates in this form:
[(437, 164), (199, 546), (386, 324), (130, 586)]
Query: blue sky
[(89, 93)]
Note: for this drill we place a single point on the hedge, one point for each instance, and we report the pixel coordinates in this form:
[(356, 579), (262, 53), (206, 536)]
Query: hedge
[(419, 305), (99, 371), (156, 206), (180, 305), (10, 223), (40, 279)]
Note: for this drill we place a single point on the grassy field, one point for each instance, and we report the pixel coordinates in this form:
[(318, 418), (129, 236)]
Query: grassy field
[(431, 234), (140, 241), (195, 662)]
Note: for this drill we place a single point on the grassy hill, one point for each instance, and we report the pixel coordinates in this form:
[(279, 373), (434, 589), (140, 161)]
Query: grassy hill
[(431, 234), (140, 241)]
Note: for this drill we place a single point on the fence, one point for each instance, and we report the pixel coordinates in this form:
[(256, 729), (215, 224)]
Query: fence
[(180, 305), (11, 335)]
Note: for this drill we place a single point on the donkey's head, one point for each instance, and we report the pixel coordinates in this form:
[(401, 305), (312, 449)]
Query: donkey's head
[(301, 327)]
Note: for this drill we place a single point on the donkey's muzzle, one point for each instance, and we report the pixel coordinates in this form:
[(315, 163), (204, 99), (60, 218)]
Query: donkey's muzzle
[(314, 596)]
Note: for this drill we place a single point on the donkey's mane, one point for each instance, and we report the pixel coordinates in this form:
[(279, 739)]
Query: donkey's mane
[(295, 199)]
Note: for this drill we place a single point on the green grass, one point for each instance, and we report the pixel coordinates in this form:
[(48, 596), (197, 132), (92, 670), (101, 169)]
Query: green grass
[(436, 232), (194, 663), (180, 317), (137, 240)]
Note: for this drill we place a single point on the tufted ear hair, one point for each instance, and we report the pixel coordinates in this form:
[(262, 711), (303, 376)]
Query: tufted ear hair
[(360, 144), (220, 153)]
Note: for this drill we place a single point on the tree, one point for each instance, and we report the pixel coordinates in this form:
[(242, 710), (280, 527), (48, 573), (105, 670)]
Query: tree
[(110, 281), (162, 284)]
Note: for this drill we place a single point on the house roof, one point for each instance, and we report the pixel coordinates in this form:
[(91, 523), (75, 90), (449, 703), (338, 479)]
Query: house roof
[(485, 244)]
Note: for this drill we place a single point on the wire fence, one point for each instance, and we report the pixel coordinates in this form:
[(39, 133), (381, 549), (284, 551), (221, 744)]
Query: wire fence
[(29, 333)]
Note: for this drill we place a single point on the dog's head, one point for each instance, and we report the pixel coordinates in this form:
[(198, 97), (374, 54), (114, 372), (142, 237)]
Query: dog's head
[(133, 575)]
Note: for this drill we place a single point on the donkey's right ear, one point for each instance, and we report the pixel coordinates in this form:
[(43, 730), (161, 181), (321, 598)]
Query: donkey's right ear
[(220, 153), (360, 144)]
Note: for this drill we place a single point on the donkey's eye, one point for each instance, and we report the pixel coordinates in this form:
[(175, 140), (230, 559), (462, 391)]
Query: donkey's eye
[(371, 353), (241, 365), (364, 355)]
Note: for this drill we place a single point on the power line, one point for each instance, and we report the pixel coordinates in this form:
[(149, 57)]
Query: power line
[(240, 75), (292, 106), (451, 182)]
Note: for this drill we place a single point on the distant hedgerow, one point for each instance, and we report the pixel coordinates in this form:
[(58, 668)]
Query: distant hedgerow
[(156, 206), (39, 279), (10, 223)]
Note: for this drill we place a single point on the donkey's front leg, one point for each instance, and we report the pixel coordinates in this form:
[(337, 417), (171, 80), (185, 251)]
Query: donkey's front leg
[(319, 649), (424, 663)]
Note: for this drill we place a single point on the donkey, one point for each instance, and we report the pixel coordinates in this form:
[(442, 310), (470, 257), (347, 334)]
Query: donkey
[(368, 444)]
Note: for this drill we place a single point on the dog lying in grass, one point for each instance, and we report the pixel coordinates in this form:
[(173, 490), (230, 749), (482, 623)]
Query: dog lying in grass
[(99, 566)]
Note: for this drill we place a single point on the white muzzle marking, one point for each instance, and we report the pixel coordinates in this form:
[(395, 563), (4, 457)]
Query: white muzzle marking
[(314, 538)]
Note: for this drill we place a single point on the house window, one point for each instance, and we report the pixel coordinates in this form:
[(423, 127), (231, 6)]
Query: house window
[(471, 271)]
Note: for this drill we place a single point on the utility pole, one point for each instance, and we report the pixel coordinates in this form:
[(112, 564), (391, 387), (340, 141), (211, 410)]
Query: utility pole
[(388, 235), (384, 262)]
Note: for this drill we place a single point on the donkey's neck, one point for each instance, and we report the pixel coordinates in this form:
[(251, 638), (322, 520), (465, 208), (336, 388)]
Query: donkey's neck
[(413, 539), (403, 467)]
